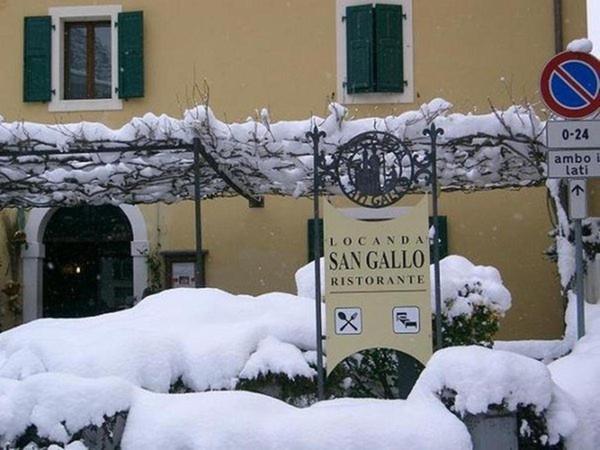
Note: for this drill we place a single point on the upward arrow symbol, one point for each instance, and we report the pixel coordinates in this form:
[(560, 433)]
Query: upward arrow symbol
[(577, 189)]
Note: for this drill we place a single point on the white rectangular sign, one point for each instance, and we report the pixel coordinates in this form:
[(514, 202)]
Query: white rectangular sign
[(578, 199), (573, 163), (573, 134)]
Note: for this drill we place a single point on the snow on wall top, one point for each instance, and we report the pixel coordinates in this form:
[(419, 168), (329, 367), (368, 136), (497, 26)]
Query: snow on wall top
[(498, 149)]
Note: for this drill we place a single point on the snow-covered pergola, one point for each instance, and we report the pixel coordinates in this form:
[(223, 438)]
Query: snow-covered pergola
[(163, 159), (151, 158)]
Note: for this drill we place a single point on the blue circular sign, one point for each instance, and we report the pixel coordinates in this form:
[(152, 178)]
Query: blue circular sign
[(570, 84)]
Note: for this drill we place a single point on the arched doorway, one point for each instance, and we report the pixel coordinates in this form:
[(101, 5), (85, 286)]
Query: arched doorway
[(88, 269), (34, 255)]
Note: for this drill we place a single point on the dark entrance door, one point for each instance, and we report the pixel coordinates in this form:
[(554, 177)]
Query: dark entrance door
[(88, 266)]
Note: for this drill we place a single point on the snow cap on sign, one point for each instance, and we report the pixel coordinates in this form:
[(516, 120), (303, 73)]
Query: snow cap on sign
[(580, 45)]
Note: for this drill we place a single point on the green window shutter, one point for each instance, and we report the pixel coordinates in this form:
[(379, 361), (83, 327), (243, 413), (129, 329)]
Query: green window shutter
[(37, 59), (443, 236), (389, 61), (131, 54), (359, 49), (311, 253)]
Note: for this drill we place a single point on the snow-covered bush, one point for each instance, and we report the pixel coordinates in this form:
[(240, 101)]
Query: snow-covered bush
[(474, 299), (475, 380)]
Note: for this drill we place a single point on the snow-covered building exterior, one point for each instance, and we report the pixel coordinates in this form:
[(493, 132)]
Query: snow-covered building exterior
[(61, 63)]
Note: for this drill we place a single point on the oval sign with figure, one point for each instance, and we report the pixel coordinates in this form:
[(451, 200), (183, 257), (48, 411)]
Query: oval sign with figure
[(374, 169)]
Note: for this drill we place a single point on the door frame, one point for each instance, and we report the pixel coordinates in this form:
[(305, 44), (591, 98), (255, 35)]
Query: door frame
[(32, 257)]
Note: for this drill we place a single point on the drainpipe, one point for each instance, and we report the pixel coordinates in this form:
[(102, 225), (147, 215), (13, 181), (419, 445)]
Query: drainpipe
[(558, 34)]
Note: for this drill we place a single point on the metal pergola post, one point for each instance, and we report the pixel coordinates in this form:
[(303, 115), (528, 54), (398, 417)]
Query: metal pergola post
[(198, 266), (433, 132), (315, 136)]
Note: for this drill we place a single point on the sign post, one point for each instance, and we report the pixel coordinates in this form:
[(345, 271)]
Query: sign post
[(376, 271), (570, 87)]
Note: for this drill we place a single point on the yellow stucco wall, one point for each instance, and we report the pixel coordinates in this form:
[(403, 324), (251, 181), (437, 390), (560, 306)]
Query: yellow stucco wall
[(9, 306), (282, 55)]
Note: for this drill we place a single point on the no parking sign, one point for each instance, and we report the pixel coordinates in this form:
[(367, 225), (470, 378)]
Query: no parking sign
[(570, 84)]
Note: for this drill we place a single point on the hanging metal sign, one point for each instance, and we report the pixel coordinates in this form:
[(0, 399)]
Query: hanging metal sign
[(376, 169)]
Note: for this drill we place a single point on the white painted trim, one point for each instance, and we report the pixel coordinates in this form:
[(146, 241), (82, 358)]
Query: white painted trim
[(59, 16), (374, 97), (361, 213), (32, 258)]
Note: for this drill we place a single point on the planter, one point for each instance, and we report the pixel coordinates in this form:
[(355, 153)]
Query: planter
[(495, 430)]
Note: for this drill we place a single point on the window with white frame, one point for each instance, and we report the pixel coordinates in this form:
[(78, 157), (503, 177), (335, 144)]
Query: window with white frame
[(374, 51), (83, 58)]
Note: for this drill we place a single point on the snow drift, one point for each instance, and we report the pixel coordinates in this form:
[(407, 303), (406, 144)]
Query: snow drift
[(207, 338)]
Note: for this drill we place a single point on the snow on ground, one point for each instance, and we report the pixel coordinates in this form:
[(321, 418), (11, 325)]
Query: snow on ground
[(463, 286), (208, 338), (578, 374)]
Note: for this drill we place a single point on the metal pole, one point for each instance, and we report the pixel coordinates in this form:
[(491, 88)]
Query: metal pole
[(579, 279), (198, 215), (315, 135), (433, 132)]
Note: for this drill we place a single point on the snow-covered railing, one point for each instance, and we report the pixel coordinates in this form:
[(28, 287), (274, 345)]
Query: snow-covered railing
[(499, 149)]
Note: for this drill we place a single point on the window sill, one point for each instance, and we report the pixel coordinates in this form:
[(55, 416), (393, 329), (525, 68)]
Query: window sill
[(108, 104), (377, 97)]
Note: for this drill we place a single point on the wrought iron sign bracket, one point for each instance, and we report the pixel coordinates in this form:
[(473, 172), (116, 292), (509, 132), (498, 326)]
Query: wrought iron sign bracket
[(375, 169)]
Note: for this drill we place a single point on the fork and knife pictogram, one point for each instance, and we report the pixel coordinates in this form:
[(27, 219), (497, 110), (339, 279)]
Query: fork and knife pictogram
[(348, 321)]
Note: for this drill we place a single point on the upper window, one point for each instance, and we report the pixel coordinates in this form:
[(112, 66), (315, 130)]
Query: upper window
[(84, 58), (374, 48), (87, 60)]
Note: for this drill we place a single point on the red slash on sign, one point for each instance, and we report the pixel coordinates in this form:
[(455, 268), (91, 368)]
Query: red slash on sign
[(570, 84)]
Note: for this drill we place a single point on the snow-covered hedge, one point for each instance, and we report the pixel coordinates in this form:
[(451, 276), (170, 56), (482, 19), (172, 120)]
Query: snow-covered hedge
[(206, 338), (61, 379), (60, 405)]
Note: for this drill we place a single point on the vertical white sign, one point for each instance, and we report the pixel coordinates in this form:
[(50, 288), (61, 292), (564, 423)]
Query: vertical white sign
[(578, 199)]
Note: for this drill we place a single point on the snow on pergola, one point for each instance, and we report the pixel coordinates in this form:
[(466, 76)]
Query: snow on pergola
[(151, 158)]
